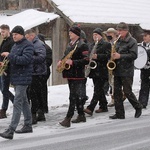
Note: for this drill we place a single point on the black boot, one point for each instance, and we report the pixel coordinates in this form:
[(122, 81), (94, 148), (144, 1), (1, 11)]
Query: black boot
[(66, 122), (80, 118), (3, 114), (8, 134), (25, 129), (34, 119), (138, 112), (41, 116)]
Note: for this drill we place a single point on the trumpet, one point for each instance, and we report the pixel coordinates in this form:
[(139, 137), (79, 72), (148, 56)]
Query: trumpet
[(4, 65)]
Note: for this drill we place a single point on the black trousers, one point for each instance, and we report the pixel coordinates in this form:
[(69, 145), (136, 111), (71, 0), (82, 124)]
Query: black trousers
[(35, 93), (126, 83), (76, 97), (145, 87), (99, 94)]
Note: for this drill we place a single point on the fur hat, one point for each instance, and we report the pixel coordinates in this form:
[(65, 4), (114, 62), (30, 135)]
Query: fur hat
[(76, 30), (122, 26), (98, 31), (18, 29), (111, 30)]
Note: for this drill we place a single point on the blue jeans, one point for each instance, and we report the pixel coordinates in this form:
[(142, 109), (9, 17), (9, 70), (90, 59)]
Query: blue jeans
[(21, 104), (7, 95)]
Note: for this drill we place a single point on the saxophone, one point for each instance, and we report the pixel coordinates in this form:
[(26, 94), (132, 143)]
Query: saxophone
[(63, 65), (111, 65), (92, 64), (4, 66)]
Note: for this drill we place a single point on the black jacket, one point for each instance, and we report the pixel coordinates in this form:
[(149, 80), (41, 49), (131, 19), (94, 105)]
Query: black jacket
[(6, 46), (76, 71), (103, 54), (128, 50)]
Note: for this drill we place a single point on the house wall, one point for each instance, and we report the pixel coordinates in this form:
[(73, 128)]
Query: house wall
[(25, 4), (59, 42)]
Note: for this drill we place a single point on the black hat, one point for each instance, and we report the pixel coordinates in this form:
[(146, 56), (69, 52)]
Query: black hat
[(98, 31), (76, 30), (18, 29), (122, 26)]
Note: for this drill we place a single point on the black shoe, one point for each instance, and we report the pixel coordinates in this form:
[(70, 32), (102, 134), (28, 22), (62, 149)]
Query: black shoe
[(25, 129), (116, 117), (8, 134), (3, 114), (40, 116), (138, 112), (79, 119), (34, 119), (144, 107)]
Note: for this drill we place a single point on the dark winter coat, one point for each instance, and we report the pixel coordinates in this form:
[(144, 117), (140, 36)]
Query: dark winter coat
[(103, 54), (76, 71), (39, 58), (21, 57), (6, 46), (128, 50)]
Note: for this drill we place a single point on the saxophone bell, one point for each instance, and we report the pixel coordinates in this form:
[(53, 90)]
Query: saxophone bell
[(111, 65), (67, 66), (92, 64)]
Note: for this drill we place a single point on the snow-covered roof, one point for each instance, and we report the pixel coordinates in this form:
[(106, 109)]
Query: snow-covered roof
[(106, 11), (28, 19)]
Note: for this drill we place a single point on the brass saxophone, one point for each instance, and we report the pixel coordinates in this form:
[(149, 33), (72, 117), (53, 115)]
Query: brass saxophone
[(63, 65), (4, 66), (92, 64), (111, 65)]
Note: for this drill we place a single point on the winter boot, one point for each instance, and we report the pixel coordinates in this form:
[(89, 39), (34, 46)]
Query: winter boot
[(25, 129), (41, 116), (3, 114), (66, 122), (34, 119), (8, 134), (80, 118)]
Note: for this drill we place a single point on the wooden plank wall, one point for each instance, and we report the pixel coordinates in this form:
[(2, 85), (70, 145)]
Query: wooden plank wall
[(59, 43)]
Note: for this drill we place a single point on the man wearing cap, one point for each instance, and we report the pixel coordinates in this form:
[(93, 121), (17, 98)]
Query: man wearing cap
[(145, 72), (99, 75), (126, 53), (75, 76), (111, 35), (21, 67)]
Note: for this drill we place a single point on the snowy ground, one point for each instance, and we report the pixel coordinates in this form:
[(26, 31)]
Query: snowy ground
[(58, 105)]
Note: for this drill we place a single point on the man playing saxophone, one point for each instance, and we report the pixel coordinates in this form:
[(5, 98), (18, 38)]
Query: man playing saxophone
[(126, 53), (99, 73), (75, 57)]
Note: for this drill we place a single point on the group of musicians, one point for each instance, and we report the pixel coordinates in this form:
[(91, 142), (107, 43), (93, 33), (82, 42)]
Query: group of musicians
[(116, 49)]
